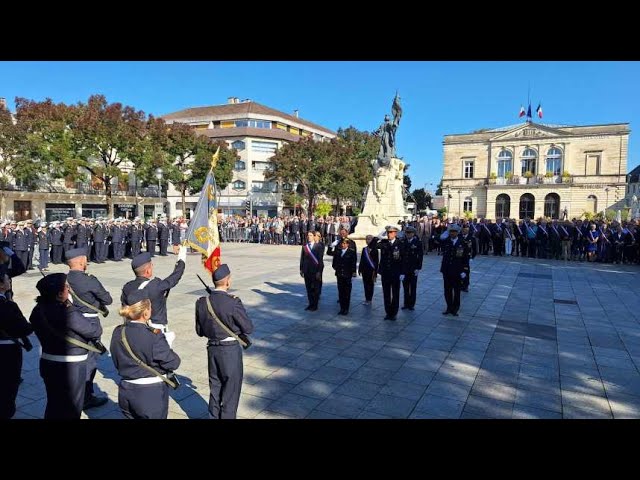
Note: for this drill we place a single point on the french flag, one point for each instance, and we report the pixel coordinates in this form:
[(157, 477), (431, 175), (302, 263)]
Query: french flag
[(522, 111), (539, 110)]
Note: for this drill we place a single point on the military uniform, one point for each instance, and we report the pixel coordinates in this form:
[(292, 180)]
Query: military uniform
[(344, 264), (391, 267), (43, 239), (223, 351), (63, 365), (13, 326), (13, 267), (163, 238), (158, 290), (88, 289), (455, 262), (151, 236), (412, 263), (141, 394), (473, 251)]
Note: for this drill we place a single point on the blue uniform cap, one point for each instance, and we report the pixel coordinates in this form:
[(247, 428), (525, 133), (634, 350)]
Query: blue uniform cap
[(140, 260), (52, 284), (221, 272), (76, 252), (137, 296)]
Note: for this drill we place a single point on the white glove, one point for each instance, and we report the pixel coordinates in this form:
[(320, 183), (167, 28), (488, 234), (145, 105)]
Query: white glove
[(170, 336), (182, 254), (383, 234), (8, 251), (334, 243), (401, 278), (463, 275), (416, 272)]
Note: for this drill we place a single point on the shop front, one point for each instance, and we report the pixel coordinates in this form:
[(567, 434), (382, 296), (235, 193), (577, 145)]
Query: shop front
[(125, 210), (59, 211), (90, 210)]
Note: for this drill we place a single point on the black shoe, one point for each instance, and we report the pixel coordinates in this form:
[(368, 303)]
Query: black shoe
[(455, 314), (404, 308), (308, 307), (446, 312), (313, 309), (465, 289), (411, 308), (93, 402)]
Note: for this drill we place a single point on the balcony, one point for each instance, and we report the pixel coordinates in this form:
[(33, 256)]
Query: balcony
[(86, 189), (535, 180)]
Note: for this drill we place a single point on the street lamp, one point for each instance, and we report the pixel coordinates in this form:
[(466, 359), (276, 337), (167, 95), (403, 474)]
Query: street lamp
[(159, 177), (607, 204)]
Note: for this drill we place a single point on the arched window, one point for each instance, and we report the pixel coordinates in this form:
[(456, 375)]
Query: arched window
[(505, 163), (239, 185), (554, 161), (527, 206), (468, 204), (552, 206), (528, 161), (238, 145), (287, 187), (240, 165), (503, 206), (592, 204)]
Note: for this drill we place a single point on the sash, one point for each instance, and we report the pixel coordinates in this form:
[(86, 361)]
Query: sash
[(368, 258), (310, 253), (626, 230), (604, 236), (509, 233), (485, 227), (591, 235), (474, 228), (564, 230), (530, 229), (555, 230), (519, 230), (543, 229)]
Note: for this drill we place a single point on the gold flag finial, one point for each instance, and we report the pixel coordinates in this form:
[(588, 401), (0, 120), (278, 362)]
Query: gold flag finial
[(214, 159)]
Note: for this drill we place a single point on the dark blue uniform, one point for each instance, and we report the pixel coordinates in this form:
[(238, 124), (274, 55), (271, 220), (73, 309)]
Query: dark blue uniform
[(21, 246), (151, 235), (135, 234), (368, 268), (117, 242), (100, 243), (82, 238), (391, 267), (12, 268), (163, 237), (89, 289), (31, 241), (311, 267), (223, 351), (13, 326), (148, 398), (175, 234), (412, 262), (56, 245), (158, 289), (344, 263), (43, 246), (455, 260), (63, 366)]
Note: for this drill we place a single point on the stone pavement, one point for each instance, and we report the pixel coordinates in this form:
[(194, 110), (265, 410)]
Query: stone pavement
[(534, 339)]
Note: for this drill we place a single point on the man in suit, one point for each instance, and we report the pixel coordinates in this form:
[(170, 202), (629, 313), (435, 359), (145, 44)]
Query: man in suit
[(454, 269), (368, 268), (311, 267)]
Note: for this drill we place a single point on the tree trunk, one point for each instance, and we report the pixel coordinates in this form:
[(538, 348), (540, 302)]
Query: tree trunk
[(338, 211), (311, 195), (108, 192)]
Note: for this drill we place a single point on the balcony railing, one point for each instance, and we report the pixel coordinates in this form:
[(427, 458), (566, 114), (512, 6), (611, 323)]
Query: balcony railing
[(535, 180), (86, 188)]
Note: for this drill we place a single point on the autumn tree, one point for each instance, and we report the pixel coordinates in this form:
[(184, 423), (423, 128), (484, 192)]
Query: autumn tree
[(307, 163), (8, 145), (202, 163)]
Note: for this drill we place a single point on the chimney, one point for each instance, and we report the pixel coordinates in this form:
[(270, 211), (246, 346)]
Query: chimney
[(295, 113), (3, 103), (231, 100)]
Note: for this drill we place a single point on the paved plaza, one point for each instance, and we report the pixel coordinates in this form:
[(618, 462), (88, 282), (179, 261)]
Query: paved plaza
[(534, 339)]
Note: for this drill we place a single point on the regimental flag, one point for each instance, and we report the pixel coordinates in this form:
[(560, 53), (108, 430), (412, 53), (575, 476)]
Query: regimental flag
[(522, 111), (539, 110), (203, 235)]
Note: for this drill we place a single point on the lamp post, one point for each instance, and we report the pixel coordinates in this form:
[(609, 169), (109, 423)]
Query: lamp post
[(607, 204), (159, 177)]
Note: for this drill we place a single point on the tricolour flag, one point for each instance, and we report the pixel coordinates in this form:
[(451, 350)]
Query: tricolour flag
[(539, 110), (522, 111), (203, 235), (529, 112)]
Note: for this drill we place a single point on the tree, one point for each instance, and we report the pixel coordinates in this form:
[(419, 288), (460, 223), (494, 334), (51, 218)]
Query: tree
[(422, 199), (439, 188), (202, 164), (105, 135), (8, 145), (307, 163), (322, 209)]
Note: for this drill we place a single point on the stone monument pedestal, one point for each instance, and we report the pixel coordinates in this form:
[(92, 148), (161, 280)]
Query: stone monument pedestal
[(383, 204)]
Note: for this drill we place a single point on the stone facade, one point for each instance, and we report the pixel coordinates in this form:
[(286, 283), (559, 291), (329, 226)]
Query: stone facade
[(536, 170)]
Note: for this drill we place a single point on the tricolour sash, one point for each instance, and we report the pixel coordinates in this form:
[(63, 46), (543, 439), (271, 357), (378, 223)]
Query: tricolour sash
[(368, 258), (310, 253)]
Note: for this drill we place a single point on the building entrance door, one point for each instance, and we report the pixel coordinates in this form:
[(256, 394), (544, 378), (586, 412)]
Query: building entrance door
[(22, 210)]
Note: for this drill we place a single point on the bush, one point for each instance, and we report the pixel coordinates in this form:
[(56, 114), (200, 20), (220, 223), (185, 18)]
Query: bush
[(442, 211), (528, 174), (548, 174), (323, 209), (493, 175), (468, 215)]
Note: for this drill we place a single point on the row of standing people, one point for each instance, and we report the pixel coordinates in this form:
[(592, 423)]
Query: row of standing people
[(66, 320)]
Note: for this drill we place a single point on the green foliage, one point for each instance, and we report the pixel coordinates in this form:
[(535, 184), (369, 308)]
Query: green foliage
[(493, 175), (442, 212), (322, 209), (548, 174), (508, 175), (588, 215), (355, 211), (468, 215), (528, 174), (422, 199), (566, 174), (439, 188), (610, 215)]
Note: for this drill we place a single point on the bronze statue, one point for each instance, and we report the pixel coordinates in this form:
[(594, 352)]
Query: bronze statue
[(387, 134)]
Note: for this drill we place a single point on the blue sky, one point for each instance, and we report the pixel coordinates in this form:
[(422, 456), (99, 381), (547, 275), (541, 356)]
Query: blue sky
[(438, 98)]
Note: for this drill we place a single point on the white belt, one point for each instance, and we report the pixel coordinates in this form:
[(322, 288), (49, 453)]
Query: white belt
[(146, 380), (7, 342), (159, 326), (228, 339), (89, 314), (64, 358)]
